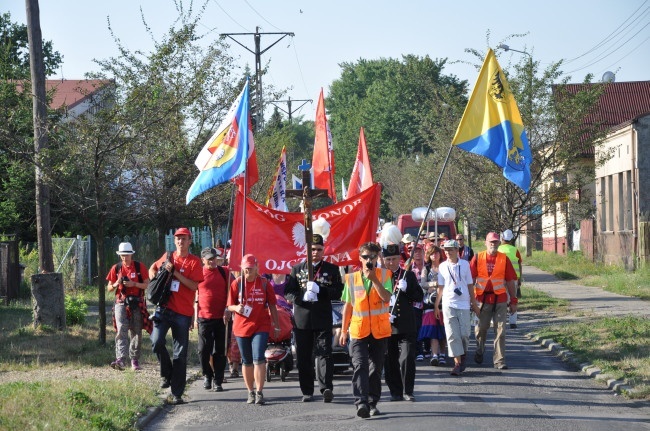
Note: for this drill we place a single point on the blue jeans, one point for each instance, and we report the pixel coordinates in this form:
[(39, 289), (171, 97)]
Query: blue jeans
[(175, 371), (252, 348)]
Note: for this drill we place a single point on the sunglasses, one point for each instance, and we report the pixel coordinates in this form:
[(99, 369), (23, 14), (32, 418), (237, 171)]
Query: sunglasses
[(368, 256)]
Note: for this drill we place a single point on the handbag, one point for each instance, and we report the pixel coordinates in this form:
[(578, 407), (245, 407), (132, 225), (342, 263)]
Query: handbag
[(159, 287)]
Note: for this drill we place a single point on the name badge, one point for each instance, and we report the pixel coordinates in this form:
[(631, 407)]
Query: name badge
[(175, 285)]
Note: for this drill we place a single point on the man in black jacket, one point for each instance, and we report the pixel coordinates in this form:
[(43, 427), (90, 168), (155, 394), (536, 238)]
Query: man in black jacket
[(399, 367), (313, 320)]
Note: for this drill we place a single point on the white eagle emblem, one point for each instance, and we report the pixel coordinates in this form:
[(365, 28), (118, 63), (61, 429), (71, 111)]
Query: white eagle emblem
[(298, 236)]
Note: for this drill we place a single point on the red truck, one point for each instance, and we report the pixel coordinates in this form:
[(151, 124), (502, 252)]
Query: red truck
[(410, 223)]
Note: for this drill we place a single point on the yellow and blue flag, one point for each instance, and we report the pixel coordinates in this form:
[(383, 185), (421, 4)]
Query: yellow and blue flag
[(224, 156), (492, 127)]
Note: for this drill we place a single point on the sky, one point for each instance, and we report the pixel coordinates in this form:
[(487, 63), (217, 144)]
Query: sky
[(593, 36)]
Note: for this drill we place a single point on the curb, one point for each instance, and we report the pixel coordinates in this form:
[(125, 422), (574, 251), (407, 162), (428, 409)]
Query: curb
[(590, 370), (152, 412)]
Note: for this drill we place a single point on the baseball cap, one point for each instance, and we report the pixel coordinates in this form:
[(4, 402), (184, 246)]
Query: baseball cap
[(492, 236), (209, 253), (182, 231), (507, 235), (248, 261), (452, 243)]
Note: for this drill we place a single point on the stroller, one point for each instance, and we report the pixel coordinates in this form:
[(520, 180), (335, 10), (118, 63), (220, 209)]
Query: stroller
[(279, 359)]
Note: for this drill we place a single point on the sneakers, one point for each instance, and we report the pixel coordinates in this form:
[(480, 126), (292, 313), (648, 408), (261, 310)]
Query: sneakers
[(434, 361), (234, 374), (328, 396), (501, 367), (463, 363), (135, 365), (207, 383), (409, 397), (396, 398), (217, 387), (251, 397), (419, 358), (164, 383), (307, 398), (118, 365), (456, 370), (478, 358), (363, 411), (442, 359), (374, 411), (259, 398), (513, 326)]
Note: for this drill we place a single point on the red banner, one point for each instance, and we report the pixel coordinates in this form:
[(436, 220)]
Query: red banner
[(277, 238)]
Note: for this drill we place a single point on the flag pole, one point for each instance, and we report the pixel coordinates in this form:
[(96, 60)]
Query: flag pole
[(243, 228)]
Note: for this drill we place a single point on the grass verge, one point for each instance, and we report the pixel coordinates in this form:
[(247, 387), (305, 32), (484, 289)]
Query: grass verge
[(619, 346), (68, 371)]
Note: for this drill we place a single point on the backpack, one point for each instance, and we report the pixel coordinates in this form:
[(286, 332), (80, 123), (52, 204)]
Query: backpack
[(159, 288)]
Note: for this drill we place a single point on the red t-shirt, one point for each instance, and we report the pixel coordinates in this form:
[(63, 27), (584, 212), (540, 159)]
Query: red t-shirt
[(213, 293), (132, 273), (182, 301), (490, 260), (257, 294)]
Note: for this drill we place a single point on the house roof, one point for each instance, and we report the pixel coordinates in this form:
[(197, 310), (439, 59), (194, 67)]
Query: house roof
[(620, 103), (71, 92)]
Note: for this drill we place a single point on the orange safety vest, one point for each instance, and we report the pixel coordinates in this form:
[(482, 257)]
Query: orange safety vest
[(370, 315), (498, 276)]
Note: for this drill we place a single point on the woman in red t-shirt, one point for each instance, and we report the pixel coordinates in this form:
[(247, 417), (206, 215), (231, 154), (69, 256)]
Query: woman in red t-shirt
[(252, 324)]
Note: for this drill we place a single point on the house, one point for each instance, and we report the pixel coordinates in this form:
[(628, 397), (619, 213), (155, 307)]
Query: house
[(623, 206), (621, 103), (73, 97)]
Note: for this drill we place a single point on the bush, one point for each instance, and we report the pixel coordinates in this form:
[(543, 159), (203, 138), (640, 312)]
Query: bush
[(75, 310)]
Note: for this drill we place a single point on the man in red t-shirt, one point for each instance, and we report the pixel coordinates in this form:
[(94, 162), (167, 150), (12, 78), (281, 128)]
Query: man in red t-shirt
[(128, 279), (494, 278), (177, 314), (211, 318)]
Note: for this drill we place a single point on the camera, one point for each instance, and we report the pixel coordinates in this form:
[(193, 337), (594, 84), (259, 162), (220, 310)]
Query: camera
[(458, 292), (370, 265), (125, 279)]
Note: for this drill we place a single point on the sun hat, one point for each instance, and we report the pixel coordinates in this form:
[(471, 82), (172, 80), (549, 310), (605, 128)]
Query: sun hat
[(125, 248)]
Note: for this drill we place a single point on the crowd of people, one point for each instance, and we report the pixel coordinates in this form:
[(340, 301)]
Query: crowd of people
[(403, 303)]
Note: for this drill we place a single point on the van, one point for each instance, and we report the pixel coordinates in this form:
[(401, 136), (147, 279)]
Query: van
[(406, 224)]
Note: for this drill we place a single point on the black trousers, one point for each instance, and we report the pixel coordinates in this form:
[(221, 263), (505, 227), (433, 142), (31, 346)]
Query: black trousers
[(212, 344), (399, 368), (310, 344), (367, 363)]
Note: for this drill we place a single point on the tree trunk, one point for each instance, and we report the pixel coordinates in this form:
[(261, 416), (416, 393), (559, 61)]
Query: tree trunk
[(37, 68), (101, 284)]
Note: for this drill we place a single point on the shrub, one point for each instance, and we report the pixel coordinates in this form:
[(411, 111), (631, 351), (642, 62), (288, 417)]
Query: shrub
[(75, 310)]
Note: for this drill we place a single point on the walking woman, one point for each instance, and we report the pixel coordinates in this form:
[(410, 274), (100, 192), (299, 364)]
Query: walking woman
[(252, 324)]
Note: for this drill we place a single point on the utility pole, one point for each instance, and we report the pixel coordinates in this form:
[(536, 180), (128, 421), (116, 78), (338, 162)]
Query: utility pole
[(289, 111), (257, 37)]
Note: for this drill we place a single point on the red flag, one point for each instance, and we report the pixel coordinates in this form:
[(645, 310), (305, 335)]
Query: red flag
[(252, 174), (277, 238), (361, 178), (323, 159)]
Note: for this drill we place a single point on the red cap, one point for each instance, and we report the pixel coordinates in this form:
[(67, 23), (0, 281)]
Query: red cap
[(248, 261), (183, 231), (492, 236)]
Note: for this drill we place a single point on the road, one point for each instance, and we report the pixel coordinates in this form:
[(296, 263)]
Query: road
[(538, 392)]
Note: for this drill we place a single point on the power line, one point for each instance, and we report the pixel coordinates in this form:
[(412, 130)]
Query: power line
[(260, 15), (231, 18), (626, 55), (606, 39)]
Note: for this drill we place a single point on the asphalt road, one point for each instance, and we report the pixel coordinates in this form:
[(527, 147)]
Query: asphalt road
[(538, 392)]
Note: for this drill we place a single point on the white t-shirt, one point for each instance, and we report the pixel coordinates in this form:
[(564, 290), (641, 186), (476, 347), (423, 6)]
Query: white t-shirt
[(452, 275)]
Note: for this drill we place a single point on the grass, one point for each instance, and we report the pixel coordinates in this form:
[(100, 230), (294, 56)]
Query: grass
[(608, 277), (39, 365), (620, 346)]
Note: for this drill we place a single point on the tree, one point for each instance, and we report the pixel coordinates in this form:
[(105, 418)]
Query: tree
[(132, 159)]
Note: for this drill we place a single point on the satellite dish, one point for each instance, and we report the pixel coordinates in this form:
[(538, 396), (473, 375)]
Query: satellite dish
[(608, 77)]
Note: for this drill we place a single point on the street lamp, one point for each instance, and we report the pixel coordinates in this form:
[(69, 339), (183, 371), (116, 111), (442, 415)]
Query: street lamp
[(506, 48)]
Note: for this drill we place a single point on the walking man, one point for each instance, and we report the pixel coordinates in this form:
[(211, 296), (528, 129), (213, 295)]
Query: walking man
[(312, 307), (128, 279), (211, 318), (508, 247), (367, 294), (177, 314), (399, 370), (494, 279)]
